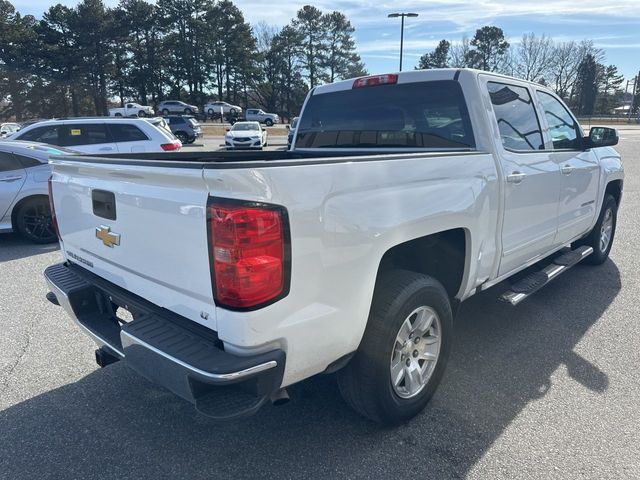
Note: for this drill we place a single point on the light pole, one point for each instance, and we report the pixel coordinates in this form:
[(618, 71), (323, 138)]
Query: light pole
[(401, 15)]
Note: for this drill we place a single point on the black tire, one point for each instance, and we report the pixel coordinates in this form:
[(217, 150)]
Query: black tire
[(210, 111), (233, 112), (183, 137), (142, 113), (268, 122), (191, 140), (188, 111), (600, 255), (118, 115), (365, 383), (33, 220), (165, 111)]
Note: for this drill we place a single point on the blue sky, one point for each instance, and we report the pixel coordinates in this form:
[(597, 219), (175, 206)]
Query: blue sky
[(613, 25)]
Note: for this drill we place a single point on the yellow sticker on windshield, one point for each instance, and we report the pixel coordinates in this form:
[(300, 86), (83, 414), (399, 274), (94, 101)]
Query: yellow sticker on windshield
[(75, 131)]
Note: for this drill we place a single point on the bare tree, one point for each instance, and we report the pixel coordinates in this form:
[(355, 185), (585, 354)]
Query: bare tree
[(533, 57), (459, 54)]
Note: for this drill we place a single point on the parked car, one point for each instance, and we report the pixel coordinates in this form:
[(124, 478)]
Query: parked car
[(7, 129), (101, 135), (213, 108), (175, 106), (292, 131), (404, 195), (24, 196), (257, 115), (132, 110), (185, 128), (246, 135)]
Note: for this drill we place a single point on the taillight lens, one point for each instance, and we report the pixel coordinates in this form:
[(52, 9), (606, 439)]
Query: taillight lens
[(249, 253), (374, 80), (54, 220), (170, 147)]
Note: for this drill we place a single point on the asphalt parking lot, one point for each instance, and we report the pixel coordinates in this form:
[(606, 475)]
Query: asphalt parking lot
[(549, 389)]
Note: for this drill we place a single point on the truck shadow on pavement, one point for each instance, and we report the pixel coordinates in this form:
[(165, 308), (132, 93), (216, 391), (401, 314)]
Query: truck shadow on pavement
[(114, 424), (14, 247)]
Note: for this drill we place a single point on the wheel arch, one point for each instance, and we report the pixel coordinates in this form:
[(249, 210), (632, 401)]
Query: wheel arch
[(614, 188), (443, 255)]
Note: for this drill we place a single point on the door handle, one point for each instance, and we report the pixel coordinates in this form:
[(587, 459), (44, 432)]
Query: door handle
[(516, 177), (567, 169), (10, 179)]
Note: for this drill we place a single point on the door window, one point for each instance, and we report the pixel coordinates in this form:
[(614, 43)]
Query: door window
[(42, 134), (516, 116), (84, 134), (8, 162), (563, 128)]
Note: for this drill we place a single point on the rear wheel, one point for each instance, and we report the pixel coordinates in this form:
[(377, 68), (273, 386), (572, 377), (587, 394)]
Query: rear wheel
[(601, 237), (404, 351), (118, 115), (182, 136), (233, 112), (142, 113), (188, 111), (268, 122), (210, 111), (165, 112), (33, 220)]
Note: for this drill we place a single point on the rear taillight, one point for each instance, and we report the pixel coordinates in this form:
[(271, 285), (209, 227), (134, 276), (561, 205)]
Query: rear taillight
[(54, 220), (250, 253), (374, 80), (170, 147)]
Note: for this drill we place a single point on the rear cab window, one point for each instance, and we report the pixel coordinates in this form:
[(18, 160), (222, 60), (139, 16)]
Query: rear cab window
[(516, 116), (431, 114)]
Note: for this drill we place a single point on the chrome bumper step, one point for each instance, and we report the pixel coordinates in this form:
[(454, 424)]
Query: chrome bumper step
[(536, 280)]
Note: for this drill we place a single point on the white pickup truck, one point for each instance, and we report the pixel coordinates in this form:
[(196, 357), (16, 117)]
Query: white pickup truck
[(132, 110), (404, 194)]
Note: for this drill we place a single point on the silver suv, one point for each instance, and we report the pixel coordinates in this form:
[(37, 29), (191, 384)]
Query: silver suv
[(257, 115), (176, 106)]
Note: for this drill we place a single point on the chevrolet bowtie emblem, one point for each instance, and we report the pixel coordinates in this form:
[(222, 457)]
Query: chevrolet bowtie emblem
[(108, 238)]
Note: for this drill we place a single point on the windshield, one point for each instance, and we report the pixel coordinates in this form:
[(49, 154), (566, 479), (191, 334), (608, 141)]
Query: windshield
[(245, 127), (412, 115)]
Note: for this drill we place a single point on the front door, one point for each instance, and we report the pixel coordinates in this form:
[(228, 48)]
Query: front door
[(531, 178), (579, 170)]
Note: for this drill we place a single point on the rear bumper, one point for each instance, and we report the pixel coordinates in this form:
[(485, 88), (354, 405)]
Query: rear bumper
[(174, 352)]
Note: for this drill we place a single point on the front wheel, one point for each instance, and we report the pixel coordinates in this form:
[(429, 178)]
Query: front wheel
[(268, 122), (33, 220), (404, 351), (118, 115), (165, 111), (142, 113), (601, 237), (187, 111)]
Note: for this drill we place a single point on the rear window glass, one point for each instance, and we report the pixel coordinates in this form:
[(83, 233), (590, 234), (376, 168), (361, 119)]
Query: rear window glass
[(414, 115), (123, 132)]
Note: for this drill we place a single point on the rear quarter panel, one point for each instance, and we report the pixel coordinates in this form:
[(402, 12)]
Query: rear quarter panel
[(343, 218)]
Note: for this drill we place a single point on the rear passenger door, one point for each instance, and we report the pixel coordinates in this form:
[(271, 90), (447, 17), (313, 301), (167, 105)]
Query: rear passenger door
[(531, 177), (87, 137), (579, 169), (128, 137)]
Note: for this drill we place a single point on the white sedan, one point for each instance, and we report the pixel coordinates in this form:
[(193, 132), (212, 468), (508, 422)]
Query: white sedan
[(248, 135)]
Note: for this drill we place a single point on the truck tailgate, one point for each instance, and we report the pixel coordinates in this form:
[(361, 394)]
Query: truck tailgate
[(156, 243)]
